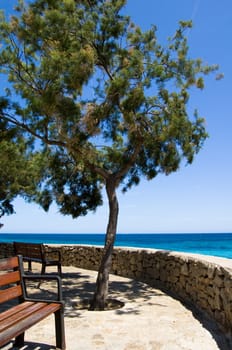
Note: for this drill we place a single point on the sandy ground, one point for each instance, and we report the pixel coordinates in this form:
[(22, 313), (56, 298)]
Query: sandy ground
[(149, 320)]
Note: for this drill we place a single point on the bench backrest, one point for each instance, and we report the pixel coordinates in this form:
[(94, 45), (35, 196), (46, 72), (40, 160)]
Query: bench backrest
[(30, 250), (10, 277)]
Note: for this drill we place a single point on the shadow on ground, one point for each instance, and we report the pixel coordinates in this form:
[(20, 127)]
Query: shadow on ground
[(29, 346), (85, 287), (79, 286)]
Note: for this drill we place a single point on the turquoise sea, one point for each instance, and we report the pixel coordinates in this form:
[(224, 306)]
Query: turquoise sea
[(216, 244)]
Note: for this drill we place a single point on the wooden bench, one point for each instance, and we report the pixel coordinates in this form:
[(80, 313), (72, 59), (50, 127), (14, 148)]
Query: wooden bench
[(36, 252), (18, 311)]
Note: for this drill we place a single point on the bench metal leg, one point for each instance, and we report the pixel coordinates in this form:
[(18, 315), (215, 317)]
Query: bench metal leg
[(43, 269), (60, 333), (42, 273), (59, 270), (29, 266), (19, 340)]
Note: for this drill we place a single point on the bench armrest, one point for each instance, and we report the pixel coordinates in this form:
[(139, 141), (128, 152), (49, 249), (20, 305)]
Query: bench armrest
[(40, 278)]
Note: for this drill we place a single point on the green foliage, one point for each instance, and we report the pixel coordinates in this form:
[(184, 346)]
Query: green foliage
[(107, 100), (75, 192)]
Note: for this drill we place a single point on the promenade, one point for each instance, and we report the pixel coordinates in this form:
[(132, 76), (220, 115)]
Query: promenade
[(149, 320)]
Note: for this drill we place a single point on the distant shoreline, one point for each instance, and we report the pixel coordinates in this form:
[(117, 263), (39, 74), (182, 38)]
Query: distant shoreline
[(212, 244)]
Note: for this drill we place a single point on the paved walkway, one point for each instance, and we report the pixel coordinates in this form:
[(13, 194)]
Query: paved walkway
[(149, 320)]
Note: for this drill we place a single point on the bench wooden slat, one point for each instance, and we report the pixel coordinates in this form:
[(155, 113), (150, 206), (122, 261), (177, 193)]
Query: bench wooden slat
[(29, 249), (10, 277), (10, 263), (17, 328), (19, 314), (10, 293), (16, 308), (34, 309)]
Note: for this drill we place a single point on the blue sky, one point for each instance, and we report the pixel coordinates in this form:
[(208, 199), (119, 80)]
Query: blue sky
[(197, 198)]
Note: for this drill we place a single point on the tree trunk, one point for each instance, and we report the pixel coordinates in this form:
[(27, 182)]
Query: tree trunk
[(101, 292)]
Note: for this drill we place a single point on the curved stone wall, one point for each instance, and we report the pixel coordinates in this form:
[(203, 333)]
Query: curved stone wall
[(205, 282)]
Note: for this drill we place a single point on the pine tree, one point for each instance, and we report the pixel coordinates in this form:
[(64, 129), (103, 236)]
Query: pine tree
[(107, 102)]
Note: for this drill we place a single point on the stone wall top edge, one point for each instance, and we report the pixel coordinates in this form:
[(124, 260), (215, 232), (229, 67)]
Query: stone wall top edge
[(209, 259), (214, 260), (72, 245)]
